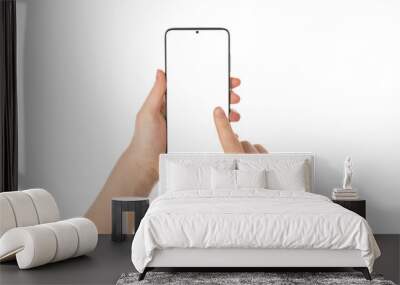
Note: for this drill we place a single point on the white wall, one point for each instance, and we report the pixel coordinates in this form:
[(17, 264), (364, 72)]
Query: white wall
[(320, 76)]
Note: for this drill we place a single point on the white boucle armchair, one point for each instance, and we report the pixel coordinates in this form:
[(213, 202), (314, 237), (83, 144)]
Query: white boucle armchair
[(32, 233)]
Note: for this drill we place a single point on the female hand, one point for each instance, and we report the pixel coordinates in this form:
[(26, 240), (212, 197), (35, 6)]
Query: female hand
[(149, 140), (228, 139), (136, 171)]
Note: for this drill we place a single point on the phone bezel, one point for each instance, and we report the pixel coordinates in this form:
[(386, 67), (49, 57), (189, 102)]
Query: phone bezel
[(166, 73)]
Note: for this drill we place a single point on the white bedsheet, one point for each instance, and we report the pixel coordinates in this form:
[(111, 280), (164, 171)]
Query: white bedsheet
[(251, 218)]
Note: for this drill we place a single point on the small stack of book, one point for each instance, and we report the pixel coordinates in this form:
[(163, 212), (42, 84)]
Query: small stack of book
[(344, 194)]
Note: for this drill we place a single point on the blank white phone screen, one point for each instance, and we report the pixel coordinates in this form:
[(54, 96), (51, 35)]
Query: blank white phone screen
[(197, 68)]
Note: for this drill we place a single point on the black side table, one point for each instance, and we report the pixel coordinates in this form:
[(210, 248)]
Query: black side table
[(357, 206), (139, 205)]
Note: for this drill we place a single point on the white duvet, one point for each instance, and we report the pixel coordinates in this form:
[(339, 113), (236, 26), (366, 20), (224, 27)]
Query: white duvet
[(250, 219)]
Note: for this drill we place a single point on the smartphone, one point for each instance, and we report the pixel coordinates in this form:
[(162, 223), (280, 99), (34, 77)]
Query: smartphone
[(197, 66)]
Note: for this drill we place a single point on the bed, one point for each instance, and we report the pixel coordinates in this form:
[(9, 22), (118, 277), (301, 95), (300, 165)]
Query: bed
[(247, 211)]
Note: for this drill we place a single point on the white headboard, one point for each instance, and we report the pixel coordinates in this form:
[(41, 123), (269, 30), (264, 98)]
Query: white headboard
[(164, 158)]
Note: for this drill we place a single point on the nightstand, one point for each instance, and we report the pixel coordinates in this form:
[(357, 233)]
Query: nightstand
[(357, 206), (139, 205)]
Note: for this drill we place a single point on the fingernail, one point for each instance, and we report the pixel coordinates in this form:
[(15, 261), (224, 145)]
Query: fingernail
[(219, 112)]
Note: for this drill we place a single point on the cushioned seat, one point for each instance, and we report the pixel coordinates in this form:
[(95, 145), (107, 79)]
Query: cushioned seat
[(31, 232)]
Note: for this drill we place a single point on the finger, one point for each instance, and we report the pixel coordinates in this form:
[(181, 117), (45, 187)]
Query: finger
[(234, 116), (248, 147), (260, 148), (227, 138), (155, 99), (235, 98), (235, 82)]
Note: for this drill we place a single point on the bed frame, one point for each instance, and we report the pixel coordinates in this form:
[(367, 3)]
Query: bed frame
[(234, 259), (246, 259)]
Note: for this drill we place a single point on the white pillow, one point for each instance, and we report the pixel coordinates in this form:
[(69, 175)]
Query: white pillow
[(237, 179), (251, 178), (223, 179), (287, 179), (190, 174), (184, 177), (282, 174)]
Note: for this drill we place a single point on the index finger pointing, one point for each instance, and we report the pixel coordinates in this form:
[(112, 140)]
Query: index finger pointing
[(227, 137)]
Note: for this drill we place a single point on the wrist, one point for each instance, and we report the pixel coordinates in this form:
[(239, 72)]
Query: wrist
[(144, 163)]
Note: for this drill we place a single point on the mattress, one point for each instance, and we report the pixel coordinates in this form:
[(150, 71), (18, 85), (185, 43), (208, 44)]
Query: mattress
[(250, 219)]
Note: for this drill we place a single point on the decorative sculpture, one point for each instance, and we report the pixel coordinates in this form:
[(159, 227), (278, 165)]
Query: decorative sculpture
[(348, 173)]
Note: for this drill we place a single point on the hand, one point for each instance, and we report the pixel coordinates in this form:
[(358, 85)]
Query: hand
[(136, 171), (228, 139), (149, 140)]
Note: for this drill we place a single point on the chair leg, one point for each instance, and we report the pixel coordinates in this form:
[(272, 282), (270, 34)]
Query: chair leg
[(143, 274), (364, 271)]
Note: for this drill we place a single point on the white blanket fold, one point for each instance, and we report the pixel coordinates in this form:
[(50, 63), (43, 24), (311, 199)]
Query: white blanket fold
[(250, 218)]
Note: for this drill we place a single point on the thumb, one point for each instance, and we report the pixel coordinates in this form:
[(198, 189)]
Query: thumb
[(155, 100), (227, 137)]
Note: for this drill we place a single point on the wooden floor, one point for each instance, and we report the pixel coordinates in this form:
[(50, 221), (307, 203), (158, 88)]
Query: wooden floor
[(110, 260)]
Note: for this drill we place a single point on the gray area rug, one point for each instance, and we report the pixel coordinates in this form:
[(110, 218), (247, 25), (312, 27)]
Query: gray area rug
[(225, 278)]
